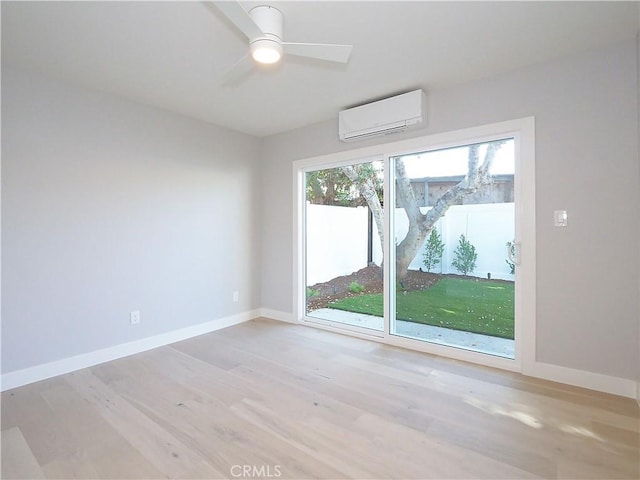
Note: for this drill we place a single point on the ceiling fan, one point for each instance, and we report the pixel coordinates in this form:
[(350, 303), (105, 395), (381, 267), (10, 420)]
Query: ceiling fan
[(263, 26)]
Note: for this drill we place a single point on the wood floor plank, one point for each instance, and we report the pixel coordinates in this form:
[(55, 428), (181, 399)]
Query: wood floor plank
[(18, 460), (154, 443), (108, 460), (201, 419), (307, 403), (306, 440), (27, 409), (437, 460)]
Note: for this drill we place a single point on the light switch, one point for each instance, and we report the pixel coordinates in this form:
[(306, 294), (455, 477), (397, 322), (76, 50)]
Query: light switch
[(560, 218)]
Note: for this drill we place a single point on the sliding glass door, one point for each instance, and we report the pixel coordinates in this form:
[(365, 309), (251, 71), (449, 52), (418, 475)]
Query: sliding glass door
[(451, 214), (454, 226), (343, 239)]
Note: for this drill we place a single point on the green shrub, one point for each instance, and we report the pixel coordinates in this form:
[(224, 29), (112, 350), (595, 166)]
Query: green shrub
[(312, 293), (433, 250), (355, 287), (465, 256)]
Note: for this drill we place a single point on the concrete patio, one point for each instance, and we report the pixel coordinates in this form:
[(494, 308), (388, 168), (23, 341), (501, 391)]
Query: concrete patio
[(501, 347)]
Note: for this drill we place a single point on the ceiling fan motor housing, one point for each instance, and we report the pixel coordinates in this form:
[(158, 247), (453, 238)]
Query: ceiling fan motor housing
[(267, 48), (270, 20)]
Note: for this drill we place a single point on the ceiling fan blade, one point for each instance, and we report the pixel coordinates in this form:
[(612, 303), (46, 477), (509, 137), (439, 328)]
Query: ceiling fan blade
[(237, 71), (321, 51), (239, 17)]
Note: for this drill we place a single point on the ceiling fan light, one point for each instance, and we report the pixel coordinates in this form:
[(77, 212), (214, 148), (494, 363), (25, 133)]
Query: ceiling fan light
[(266, 51)]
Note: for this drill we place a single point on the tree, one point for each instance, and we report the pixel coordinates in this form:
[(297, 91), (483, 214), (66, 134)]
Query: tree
[(465, 256), (433, 250), (331, 187), (334, 185), (420, 224)]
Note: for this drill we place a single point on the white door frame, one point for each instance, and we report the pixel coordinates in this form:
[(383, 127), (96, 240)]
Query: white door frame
[(523, 132)]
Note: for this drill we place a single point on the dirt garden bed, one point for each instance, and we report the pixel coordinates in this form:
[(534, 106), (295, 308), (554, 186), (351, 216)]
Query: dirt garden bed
[(370, 278)]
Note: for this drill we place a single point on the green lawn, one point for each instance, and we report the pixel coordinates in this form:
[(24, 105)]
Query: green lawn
[(460, 304)]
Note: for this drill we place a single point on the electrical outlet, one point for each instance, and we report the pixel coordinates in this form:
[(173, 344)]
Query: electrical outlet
[(236, 296), (135, 317)]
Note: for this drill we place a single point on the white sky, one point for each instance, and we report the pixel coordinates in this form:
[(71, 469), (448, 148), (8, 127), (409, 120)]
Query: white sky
[(453, 161)]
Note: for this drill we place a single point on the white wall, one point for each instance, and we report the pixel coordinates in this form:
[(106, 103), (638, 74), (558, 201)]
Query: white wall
[(487, 226), (336, 241), (586, 162), (110, 206)]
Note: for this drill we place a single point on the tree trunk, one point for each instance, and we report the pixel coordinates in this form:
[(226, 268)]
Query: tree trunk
[(407, 248)]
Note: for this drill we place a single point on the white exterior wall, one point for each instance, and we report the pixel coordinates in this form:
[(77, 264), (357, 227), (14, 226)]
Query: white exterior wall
[(337, 239), (487, 226)]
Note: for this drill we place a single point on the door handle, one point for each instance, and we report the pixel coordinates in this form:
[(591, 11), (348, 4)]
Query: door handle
[(513, 253)]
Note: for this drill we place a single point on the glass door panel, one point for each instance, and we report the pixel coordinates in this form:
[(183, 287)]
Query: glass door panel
[(343, 245), (454, 225)]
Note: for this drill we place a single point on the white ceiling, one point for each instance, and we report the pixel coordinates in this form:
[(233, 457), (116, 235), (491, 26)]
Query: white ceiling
[(169, 54)]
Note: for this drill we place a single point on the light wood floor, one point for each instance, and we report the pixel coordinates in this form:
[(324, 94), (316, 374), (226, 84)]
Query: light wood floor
[(271, 400)]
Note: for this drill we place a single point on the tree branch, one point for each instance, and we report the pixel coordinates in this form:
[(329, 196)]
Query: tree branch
[(405, 194), (489, 156)]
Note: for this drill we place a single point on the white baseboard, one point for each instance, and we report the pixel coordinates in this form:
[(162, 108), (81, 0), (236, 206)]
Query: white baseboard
[(70, 364), (581, 378), (277, 315)]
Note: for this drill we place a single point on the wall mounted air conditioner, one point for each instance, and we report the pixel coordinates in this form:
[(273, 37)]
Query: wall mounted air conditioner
[(391, 115)]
